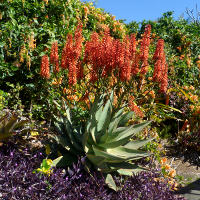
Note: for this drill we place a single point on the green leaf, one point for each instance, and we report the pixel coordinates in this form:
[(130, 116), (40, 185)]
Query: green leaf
[(131, 130), (107, 156), (115, 143), (65, 160), (137, 144), (110, 182), (97, 160), (125, 118), (125, 168), (163, 106), (104, 119), (127, 154)]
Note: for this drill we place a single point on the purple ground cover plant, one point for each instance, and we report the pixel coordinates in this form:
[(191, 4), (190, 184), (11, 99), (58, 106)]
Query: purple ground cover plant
[(17, 181)]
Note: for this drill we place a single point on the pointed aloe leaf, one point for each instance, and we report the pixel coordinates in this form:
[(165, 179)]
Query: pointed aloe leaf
[(70, 133), (121, 133), (96, 108), (93, 134), (56, 161), (67, 110), (59, 127), (95, 104), (115, 143), (126, 166), (125, 118), (78, 136), (112, 126), (126, 154), (131, 131), (96, 160), (104, 118), (65, 160), (129, 172), (115, 133), (125, 172), (107, 156), (137, 144), (110, 182), (65, 142)]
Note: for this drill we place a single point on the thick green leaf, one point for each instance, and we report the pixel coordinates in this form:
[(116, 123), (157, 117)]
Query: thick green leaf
[(65, 142), (110, 182), (107, 156), (125, 168), (63, 161), (125, 118), (104, 119), (115, 143), (126, 154), (131, 130), (70, 133), (137, 144)]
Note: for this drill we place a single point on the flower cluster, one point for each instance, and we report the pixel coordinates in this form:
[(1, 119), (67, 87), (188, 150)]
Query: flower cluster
[(54, 58), (108, 54), (44, 68), (161, 68), (169, 172), (144, 49), (133, 106), (71, 55)]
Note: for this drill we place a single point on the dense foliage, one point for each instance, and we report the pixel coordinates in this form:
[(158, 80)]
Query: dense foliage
[(100, 83)]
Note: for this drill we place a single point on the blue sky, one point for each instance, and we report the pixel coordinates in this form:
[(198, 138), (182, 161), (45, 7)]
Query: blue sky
[(138, 10)]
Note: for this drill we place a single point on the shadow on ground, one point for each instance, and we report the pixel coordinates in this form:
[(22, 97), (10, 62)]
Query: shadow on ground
[(191, 191)]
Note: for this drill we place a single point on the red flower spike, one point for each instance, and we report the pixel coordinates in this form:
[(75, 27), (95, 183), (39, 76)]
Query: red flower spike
[(54, 58), (144, 48), (132, 47), (44, 68), (79, 74), (72, 73), (135, 65), (160, 67)]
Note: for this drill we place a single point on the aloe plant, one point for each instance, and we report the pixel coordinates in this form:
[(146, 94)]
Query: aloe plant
[(8, 124), (106, 141)]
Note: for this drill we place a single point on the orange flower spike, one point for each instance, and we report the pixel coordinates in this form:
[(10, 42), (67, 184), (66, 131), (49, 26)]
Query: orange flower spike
[(44, 67), (79, 74), (125, 69), (144, 48), (54, 58), (72, 73), (78, 39), (132, 48)]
